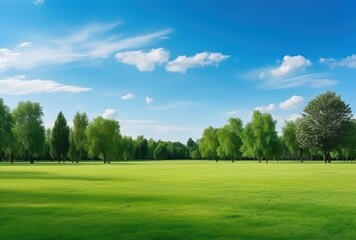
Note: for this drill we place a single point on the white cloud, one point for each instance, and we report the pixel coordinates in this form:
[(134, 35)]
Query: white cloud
[(19, 85), (291, 103), (109, 113), (128, 96), (269, 108), (7, 58), (183, 63), (149, 100), (349, 62), (289, 65), (95, 41), (38, 2), (144, 60)]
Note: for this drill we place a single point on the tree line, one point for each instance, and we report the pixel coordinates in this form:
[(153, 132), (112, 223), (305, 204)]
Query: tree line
[(326, 129)]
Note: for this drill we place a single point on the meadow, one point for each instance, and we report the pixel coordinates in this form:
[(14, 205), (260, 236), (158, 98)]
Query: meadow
[(178, 200)]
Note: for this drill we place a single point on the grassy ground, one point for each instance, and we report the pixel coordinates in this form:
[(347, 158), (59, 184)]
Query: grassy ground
[(178, 200)]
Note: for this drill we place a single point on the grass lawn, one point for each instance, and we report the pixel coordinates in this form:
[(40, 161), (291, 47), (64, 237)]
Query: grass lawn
[(178, 200)]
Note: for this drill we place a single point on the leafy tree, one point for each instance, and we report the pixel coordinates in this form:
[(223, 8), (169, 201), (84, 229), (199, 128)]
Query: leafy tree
[(325, 125), (193, 149), (80, 124), (141, 148), (128, 148), (209, 143), (151, 145), (47, 154), (230, 141), (161, 151), (6, 124), (289, 137), (260, 139), (28, 129), (104, 138), (60, 138), (176, 150)]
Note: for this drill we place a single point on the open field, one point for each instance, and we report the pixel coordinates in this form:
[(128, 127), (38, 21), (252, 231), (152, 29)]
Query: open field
[(178, 200)]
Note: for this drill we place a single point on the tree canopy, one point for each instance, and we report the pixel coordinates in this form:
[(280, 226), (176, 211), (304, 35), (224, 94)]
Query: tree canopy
[(28, 129), (60, 138), (325, 124), (103, 138)]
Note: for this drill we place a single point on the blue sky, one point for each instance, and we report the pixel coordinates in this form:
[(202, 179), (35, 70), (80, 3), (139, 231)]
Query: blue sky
[(169, 69)]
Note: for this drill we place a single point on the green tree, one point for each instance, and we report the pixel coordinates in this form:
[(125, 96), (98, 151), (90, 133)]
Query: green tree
[(28, 129), (161, 151), (289, 137), (325, 125), (80, 124), (193, 149), (260, 139), (209, 143), (47, 154), (141, 148), (151, 145), (128, 148), (104, 138), (60, 138), (230, 141), (6, 136)]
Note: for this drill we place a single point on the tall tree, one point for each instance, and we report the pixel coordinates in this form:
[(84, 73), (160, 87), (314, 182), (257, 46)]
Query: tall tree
[(104, 138), (80, 124), (128, 148), (141, 146), (192, 149), (289, 137), (260, 139), (209, 143), (6, 124), (60, 138), (326, 124), (151, 145), (230, 141), (28, 129)]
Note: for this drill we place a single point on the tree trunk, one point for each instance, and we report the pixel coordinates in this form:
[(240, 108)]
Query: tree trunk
[(327, 157), (301, 155)]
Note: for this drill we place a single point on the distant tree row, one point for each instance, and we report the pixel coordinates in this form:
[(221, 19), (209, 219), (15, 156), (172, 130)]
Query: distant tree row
[(23, 137), (326, 129)]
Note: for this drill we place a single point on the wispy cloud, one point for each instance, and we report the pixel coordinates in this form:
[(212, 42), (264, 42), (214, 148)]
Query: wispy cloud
[(349, 62), (128, 96), (38, 2), (19, 85), (291, 103), (157, 130), (172, 106), (313, 80), (144, 60), (148, 100), (182, 63), (92, 42), (110, 113)]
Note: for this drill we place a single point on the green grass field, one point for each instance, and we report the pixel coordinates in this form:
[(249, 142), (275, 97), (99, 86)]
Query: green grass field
[(178, 200)]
